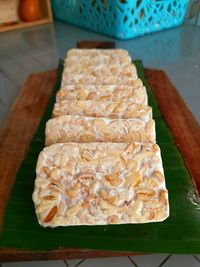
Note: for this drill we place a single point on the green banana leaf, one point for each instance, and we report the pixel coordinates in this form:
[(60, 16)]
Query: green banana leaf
[(180, 233)]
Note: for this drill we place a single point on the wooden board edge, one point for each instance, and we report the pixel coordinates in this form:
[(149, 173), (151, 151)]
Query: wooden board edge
[(17, 255), (19, 128), (184, 127), (58, 254)]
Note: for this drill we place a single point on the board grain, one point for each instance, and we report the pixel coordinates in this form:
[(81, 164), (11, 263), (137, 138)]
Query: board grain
[(24, 119), (184, 127), (21, 124)]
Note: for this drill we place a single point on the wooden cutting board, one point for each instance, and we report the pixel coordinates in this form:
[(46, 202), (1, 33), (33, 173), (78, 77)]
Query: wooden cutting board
[(24, 119)]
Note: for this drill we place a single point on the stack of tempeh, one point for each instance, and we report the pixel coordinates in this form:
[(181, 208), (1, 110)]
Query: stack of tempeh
[(101, 163)]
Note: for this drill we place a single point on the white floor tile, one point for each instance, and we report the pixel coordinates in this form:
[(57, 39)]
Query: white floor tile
[(151, 260), (182, 261), (198, 256), (73, 263), (107, 262), (16, 72), (48, 61), (32, 65), (4, 59), (57, 263)]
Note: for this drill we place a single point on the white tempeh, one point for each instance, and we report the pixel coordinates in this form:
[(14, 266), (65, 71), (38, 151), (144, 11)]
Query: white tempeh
[(91, 108), (72, 128), (135, 92), (100, 183)]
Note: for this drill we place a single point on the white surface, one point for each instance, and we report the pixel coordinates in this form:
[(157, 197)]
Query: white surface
[(107, 262), (153, 260), (35, 264)]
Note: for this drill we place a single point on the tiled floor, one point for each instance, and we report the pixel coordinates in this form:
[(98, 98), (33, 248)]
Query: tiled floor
[(156, 260), (31, 50)]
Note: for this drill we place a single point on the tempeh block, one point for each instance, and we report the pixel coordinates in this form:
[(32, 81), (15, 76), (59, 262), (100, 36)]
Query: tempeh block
[(99, 184), (120, 53), (99, 74), (91, 108), (72, 128), (135, 92), (97, 60)]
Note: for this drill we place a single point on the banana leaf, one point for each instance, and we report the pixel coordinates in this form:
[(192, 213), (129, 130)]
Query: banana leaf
[(180, 233)]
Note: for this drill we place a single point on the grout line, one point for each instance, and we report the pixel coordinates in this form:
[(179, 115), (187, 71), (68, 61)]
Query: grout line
[(66, 263), (163, 262), (3, 71), (132, 261), (79, 262), (196, 258)]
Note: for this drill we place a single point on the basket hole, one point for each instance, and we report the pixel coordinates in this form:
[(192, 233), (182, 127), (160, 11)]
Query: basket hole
[(132, 11), (131, 25), (161, 8), (150, 19), (138, 2), (169, 8), (125, 19), (136, 21), (142, 13), (123, 1), (98, 9), (175, 3), (93, 2), (80, 10)]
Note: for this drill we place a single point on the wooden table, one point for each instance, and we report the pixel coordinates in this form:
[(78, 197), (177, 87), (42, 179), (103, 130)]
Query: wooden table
[(24, 119)]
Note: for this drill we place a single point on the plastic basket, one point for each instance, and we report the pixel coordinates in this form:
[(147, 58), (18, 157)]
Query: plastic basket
[(122, 19)]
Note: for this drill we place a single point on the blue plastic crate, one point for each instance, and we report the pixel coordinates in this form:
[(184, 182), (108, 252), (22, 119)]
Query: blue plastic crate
[(122, 19)]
